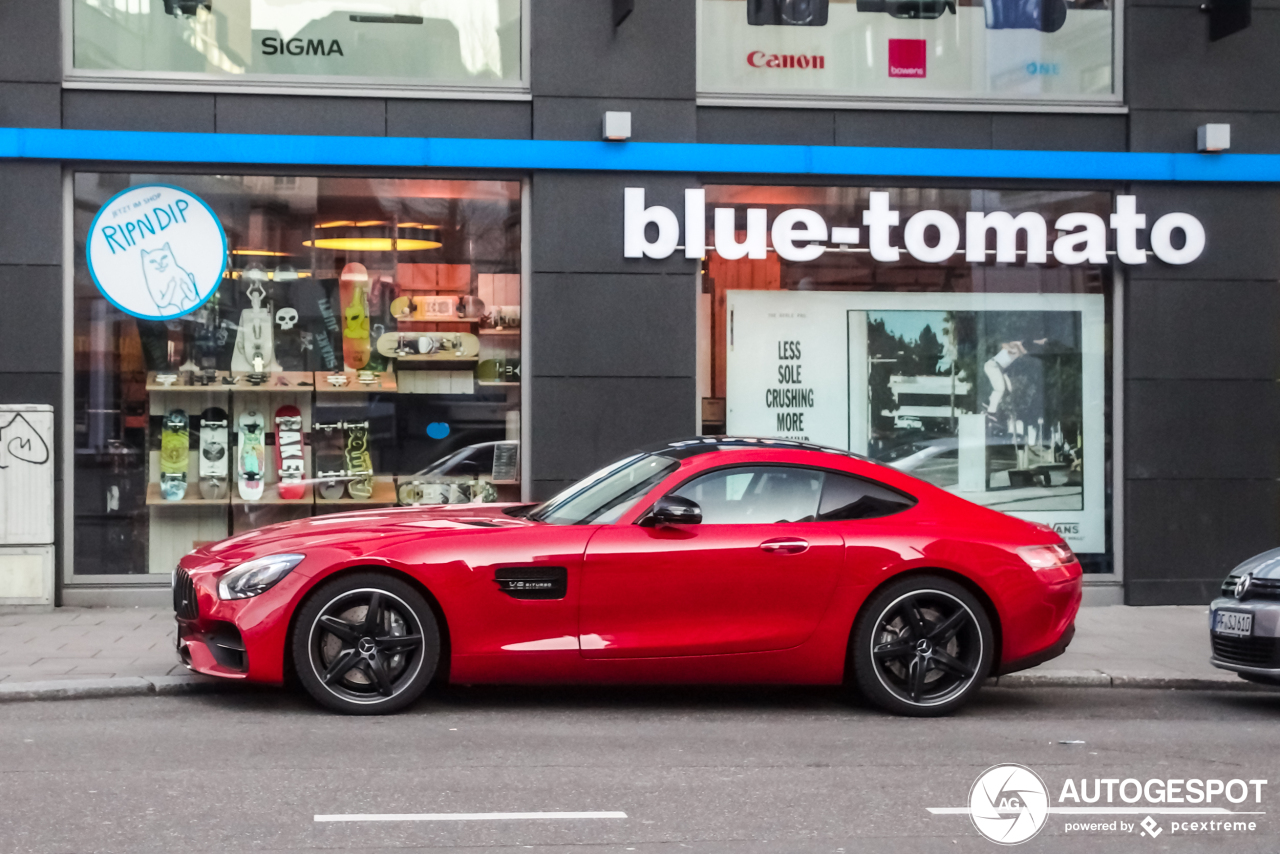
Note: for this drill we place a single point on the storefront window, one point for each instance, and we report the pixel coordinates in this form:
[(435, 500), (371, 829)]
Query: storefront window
[(1019, 51), (987, 378), (475, 43), (361, 349)]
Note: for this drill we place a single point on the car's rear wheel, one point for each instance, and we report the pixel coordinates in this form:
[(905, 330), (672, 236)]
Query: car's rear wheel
[(366, 644), (921, 647)]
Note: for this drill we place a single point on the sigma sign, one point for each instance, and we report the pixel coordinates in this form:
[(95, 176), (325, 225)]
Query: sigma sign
[(798, 234)]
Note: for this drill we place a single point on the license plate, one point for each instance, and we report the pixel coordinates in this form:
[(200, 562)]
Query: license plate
[(1233, 623)]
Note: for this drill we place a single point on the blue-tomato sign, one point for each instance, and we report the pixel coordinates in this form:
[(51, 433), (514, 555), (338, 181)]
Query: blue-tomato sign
[(156, 251)]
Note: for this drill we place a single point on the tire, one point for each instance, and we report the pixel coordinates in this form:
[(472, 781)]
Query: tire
[(893, 669), (360, 667)]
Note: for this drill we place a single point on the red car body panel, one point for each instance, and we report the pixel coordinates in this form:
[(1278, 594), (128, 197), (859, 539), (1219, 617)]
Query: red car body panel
[(673, 604)]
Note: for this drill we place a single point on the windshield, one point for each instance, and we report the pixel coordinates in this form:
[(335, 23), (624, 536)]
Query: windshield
[(602, 498)]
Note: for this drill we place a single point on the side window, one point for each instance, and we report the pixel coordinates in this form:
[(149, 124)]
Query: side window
[(755, 495), (845, 497)]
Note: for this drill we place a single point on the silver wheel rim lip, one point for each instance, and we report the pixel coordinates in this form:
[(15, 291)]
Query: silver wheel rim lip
[(959, 688), (406, 678)]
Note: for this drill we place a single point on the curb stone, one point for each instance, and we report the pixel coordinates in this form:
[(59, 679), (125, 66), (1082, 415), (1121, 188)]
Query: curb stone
[(169, 686), (1098, 679), (118, 686)]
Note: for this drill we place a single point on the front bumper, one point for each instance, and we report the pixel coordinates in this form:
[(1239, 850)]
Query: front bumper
[(1257, 655), (239, 639)]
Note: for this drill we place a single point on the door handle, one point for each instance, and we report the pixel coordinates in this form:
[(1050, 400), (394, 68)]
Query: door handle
[(784, 545)]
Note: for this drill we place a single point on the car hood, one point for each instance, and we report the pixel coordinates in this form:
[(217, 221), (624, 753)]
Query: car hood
[(1265, 565), (358, 529)]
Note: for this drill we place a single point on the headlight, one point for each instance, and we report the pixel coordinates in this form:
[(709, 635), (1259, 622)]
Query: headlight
[(256, 576), (1047, 557)]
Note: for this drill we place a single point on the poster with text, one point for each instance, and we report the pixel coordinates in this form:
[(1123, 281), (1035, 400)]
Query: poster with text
[(1015, 51), (999, 398), (444, 42)]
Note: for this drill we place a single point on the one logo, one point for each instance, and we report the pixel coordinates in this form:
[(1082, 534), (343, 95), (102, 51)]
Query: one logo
[(1149, 825), (1008, 804), (907, 57), (156, 251), (1243, 583)]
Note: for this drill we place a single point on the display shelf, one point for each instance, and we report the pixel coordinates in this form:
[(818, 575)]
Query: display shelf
[(384, 492), (155, 499), (386, 382), (505, 482), (438, 358), (270, 495), (279, 381), (511, 332), (178, 385), (497, 384)]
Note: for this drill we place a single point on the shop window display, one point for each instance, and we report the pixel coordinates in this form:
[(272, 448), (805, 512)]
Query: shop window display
[(361, 350), (989, 379)]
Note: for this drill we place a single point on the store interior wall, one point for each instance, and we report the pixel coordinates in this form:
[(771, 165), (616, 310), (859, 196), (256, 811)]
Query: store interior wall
[(1202, 468)]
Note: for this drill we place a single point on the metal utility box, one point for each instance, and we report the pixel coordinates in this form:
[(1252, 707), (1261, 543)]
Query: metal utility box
[(26, 504)]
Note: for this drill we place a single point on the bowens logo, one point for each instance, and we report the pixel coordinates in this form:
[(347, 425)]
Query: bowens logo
[(760, 59), (907, 57), (930, 236)]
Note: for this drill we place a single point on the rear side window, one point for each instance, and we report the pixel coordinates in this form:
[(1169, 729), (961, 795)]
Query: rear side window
[(845, 497)]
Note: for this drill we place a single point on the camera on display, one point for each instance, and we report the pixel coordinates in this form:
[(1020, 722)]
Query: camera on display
[(910, 9), (796, 13)]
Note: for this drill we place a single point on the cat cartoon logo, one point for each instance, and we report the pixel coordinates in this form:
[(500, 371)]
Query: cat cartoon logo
[(156, 251), (171, 286), (20, 442)]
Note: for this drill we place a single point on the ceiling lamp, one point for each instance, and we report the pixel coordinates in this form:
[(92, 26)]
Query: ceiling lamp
[(373, 236)]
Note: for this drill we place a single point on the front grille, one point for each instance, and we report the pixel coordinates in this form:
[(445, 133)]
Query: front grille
[(1259, 588), (184, 596), (1247, 652)]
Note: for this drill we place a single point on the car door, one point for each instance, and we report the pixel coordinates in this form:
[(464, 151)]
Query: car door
[(755, 575)]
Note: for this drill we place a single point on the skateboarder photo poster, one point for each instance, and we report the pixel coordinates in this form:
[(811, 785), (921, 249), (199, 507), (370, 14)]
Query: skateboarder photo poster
[(156, 251), (996, 397), (990, 50)]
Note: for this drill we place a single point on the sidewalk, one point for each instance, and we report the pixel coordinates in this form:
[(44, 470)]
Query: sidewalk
[(83, 652)]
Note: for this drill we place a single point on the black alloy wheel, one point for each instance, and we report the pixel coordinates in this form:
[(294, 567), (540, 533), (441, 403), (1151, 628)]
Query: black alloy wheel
[(366, 644), (921, 647)]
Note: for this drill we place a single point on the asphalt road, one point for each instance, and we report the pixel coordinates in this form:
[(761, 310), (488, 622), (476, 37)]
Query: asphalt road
[(742, 770)]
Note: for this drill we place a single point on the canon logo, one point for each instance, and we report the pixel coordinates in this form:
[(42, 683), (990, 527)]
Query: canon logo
[(760, 59)]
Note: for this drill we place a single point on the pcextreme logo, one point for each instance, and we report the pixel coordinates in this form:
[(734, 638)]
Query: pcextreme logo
[(1010, 804)]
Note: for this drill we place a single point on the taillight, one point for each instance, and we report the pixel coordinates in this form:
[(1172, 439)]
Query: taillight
[(1047, 557)]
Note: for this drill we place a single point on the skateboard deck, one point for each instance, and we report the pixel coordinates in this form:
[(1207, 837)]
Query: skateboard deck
[(353, 290), (290, 465), (429, 345), (251, 457), (213, 453), (175, 442), (327, 443), (359, 463)]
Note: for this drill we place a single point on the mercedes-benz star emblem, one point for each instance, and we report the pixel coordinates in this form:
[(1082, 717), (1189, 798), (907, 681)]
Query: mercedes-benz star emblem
[(1243, 583)]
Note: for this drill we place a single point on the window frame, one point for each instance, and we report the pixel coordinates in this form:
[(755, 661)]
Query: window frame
[(290, 84), (1114, 103), (644, 515)]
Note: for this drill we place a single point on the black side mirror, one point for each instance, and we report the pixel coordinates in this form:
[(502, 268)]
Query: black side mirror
[(675, 510)]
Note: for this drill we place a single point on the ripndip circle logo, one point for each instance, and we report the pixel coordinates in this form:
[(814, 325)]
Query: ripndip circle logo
[(1008, 804)]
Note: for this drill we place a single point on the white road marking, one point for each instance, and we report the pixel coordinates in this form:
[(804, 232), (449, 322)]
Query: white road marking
[(466, 816)]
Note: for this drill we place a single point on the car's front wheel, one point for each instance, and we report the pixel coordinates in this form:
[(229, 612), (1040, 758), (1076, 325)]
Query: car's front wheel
[(921, 647), (366, 644)]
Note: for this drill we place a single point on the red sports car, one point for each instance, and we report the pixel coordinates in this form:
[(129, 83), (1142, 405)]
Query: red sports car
[(706, 560)]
